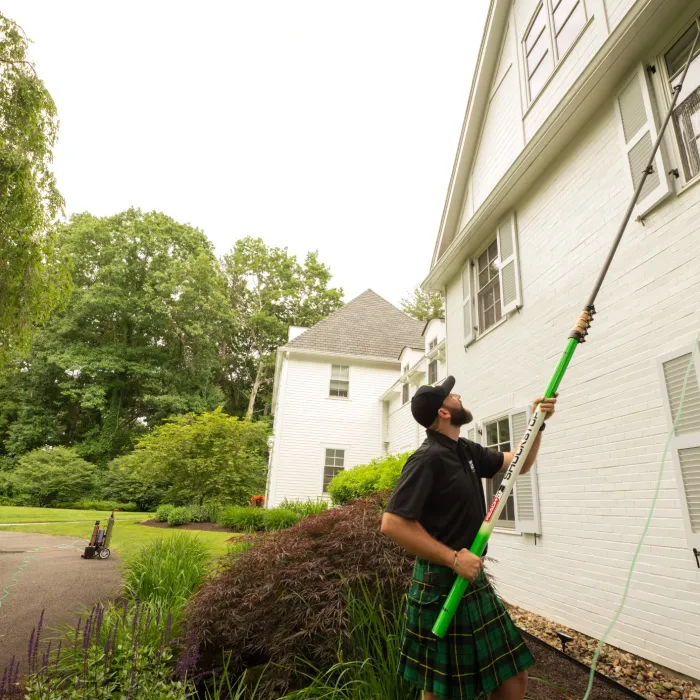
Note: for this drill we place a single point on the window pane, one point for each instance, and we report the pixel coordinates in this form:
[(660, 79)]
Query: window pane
[(686, 123), (570, 29), (678, 54), (536, 30), (432, 372), (404, 393), (507, 518), (503, 430), (540, 76), (535, 56), (340, 372), (562, 10)]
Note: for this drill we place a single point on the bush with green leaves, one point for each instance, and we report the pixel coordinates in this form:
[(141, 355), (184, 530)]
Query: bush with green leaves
[(51, 476), (202, 457), (280, 518), (180, 515), (199, 514), (163, 512), (94, 504), (364, 480), (304, 508), (167, 571), (242, 518)]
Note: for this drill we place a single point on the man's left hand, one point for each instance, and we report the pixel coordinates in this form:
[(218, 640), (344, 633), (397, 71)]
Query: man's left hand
[(546, 405)]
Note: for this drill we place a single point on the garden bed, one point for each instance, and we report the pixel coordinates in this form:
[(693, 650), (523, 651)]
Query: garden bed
[(211, 527)]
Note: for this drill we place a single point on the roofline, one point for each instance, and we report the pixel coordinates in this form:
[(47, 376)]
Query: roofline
[(325, 353), (613, 61), (429, 321), (476, 105)]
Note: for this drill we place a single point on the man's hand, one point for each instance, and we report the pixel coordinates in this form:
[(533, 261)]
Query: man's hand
[(468, 565), (546, 405)]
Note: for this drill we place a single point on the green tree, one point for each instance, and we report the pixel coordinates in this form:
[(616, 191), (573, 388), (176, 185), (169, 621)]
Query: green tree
[(424, 305), (139, 340), (51, 476), (211, 456), (269, 290), (33, 280)]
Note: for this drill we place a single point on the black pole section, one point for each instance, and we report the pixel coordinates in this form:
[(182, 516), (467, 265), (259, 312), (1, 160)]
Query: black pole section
[(647, 171)]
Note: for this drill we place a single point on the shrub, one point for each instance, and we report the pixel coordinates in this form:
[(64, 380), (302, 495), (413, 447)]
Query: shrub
[(242, 518), (214, 509), (199, 514), (179, 515), (305, 508), (167, 570), (367, 479), (163, 512), (279, 518), (287, 596)]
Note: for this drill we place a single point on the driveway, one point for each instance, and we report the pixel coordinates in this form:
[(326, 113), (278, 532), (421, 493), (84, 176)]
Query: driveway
[(55, 580)]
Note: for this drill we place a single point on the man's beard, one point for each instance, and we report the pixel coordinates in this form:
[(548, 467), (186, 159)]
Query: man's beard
[(460, 416)]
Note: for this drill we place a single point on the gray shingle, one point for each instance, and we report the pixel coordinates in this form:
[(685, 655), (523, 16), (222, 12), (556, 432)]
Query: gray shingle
[(367, 325)]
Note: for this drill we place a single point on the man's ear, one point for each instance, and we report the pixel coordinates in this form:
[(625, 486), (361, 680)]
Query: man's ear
[(444, 413)]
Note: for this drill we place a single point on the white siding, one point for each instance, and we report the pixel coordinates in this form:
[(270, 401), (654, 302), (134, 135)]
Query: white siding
[(404, 432), (601, 453), (616, 10), (502, 136), (307, 421)]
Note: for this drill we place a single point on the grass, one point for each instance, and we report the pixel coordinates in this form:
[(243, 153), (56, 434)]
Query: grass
[(128, 537), (17, 514)]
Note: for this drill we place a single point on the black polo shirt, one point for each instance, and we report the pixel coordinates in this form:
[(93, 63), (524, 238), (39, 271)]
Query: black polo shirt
[(440, 487)]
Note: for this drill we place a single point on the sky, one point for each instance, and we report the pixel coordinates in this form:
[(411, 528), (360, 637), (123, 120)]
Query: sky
[(328, 126)]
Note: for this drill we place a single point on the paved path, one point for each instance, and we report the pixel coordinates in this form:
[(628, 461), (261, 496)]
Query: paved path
[(56, 580)]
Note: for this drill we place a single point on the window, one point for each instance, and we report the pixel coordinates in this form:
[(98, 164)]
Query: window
[(498, 438), (406, 368), (553, 30), (686, 115), (335, 462), (404, 394), (521, 512), (340, 381), (497, 282), (685, 443), (432, 344), (432, 372)]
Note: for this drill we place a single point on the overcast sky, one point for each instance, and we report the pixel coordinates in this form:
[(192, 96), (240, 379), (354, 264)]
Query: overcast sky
[(328, 126)]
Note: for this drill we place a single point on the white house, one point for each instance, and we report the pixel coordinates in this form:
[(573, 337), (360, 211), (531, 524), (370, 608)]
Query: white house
[(567, 99), (331, 406)]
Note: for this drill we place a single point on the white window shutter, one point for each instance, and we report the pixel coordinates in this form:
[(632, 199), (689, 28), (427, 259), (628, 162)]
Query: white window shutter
[(509, 277), (685, 443), (527, 509), (637, 114), (468, 305)]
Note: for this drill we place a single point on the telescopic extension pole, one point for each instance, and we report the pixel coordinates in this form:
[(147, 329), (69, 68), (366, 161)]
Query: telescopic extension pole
[(577, 335)]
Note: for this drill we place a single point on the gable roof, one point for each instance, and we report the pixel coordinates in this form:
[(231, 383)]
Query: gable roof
[(366, 326)]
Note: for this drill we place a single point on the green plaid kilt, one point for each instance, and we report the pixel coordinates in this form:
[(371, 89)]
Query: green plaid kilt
[(481, 649)]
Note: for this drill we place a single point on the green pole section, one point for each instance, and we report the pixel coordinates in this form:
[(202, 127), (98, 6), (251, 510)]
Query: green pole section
[(459, 587)]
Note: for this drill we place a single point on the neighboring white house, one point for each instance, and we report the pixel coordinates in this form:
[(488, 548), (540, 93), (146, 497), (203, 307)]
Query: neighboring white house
[(329, 384), (567, 99)]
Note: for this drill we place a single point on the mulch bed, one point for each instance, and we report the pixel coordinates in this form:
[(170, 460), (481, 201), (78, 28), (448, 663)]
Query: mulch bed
[(212, 527), (571, 680)]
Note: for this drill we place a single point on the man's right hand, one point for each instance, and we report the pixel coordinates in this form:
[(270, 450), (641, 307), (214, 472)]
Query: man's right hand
[(468, 565)]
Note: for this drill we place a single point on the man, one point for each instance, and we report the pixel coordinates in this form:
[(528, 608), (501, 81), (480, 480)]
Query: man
[(435, 512)]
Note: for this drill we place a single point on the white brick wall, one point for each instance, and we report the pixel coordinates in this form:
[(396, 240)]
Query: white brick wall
[(307, 421), (600, 456)]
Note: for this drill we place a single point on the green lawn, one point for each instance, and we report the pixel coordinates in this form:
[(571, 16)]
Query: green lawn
[(15, 514), (127, 537)]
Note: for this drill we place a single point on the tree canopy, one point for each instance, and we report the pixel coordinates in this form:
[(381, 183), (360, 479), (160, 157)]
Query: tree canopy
[(423, 305), (33, 277)]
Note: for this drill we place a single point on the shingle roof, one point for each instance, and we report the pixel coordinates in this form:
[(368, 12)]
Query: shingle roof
[(367, 325)]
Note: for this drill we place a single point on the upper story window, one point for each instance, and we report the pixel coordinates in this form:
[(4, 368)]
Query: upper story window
[(340, 381), (552, 31), (404, 394), (432, 344), (686, 116), (492, 280), (432, 372)]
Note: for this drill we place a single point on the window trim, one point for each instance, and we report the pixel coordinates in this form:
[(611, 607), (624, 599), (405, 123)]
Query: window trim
[(324, 456), (485, 482), (433, 363), (557, 57), (662, 88), (678, 442), (405, 393), (330, 380)]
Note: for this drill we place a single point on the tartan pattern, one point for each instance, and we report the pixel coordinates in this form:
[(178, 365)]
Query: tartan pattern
[(481, 649)]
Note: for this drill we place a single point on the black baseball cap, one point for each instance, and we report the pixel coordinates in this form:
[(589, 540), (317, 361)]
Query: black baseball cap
[(426, 402)]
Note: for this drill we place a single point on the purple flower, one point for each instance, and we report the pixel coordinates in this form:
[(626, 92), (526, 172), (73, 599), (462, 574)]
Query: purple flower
[(77, 631), (30, 648)]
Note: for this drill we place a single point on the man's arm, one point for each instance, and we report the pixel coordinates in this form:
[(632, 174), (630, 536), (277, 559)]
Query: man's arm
[(412, 536)]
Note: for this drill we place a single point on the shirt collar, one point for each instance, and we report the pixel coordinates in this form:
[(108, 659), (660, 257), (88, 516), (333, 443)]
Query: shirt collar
[(442, 439)]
